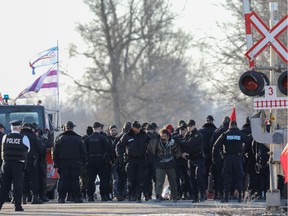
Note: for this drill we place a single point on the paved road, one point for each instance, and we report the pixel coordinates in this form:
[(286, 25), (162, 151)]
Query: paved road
[(166, 208)]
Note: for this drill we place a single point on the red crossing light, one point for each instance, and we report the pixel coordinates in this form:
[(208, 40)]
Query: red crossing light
[(282, 83), (252, 83)]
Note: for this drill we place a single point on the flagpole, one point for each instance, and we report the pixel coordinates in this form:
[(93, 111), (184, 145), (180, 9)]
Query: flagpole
[(58, 92)]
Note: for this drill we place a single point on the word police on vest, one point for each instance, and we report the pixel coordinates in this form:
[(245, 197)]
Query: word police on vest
[(13, 140), (233, 137)]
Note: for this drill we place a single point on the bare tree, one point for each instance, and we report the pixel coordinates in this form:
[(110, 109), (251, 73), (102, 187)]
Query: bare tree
[(138, 64), (230, 61)]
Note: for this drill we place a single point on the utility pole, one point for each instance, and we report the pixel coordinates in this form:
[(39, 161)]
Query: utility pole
[(273, 195)]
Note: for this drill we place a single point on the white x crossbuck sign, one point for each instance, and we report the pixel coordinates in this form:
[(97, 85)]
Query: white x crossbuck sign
[(269, 38)]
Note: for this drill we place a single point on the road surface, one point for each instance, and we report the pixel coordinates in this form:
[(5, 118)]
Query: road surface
[(181, 208)]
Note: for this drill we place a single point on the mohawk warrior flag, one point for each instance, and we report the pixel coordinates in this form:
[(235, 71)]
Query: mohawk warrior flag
[(46, 84), (44, 58), (233, 114), (284, 162)]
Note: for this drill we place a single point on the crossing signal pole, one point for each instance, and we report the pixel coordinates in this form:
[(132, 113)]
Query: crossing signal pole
[(255, 83)]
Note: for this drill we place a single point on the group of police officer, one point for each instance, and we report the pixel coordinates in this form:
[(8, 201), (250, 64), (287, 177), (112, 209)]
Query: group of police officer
[(128, 163), (212, 159)]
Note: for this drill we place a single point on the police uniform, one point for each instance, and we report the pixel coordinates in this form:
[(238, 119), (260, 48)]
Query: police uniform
[(98, 149), (31, 173), (42, 164), (15, 147), (135, 145), (68, 152), (249, 161), (193, 145), (231, 143), (217, 161), (120, 167), (83, 168), (184, 188), (207, 131)]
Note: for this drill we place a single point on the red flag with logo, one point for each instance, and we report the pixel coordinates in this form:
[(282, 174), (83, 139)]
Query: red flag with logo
[(284, 162), (233, 114)]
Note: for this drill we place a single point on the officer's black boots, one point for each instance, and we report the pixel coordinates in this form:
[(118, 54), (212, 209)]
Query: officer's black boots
[(61, 198), (225, 200), (19, 208), (138, 199), (36, 200), (158, 198), (90, 199), (203, 196), (78, 200), (148, 197), (105, 198), (195, 198), (44, 198), (120, 197), (132, 198)]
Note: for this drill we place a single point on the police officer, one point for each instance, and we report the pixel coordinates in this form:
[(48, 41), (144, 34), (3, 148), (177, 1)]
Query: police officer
[(83, 168), (262, 156), (135, 144), (108, 163), (15, 147), (120, 165), (207, 131), (217, 161), (68, 153), (249, 162), (183, 180), (193, 152), (231, 143), (98, 150), (42, 162), (31, 173)]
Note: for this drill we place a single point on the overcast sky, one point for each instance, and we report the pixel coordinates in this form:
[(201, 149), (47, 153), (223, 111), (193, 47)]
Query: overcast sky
[(31, 26)]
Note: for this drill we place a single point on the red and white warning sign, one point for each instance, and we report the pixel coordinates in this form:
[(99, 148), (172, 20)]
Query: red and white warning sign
[(270, 101), (269, 37)]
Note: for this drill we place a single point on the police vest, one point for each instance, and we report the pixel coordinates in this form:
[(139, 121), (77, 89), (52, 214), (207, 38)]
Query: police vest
[(233, 143), (96, 145), (13, 148)]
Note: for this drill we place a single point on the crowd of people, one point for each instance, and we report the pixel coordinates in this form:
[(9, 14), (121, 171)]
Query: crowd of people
[(133, 163), (219, 163)]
